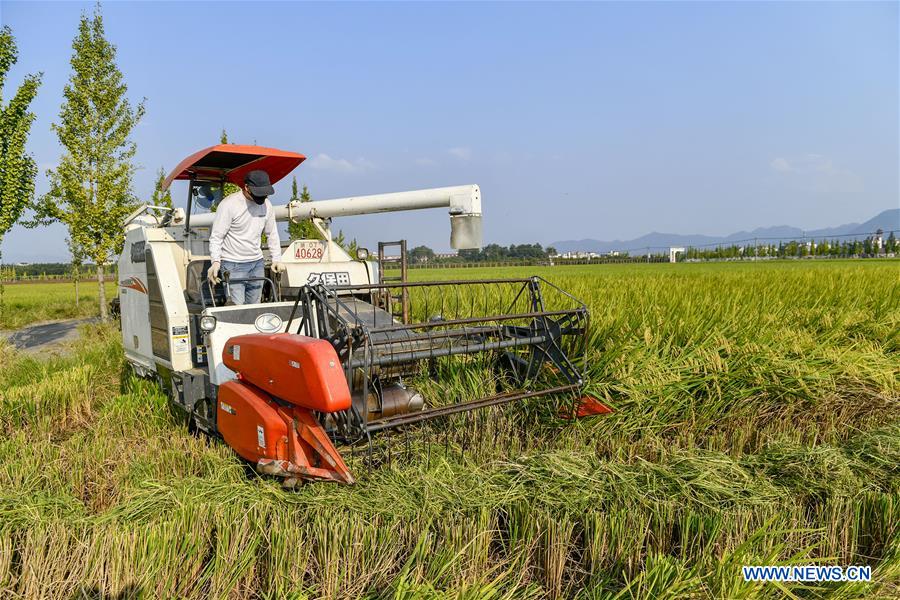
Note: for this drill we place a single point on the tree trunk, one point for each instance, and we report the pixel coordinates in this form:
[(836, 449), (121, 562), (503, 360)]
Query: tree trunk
[(104, 314), (2, 288), (76, 290)]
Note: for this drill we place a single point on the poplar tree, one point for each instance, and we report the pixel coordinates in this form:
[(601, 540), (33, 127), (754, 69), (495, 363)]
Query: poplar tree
[(17, 167), (228, 188), (90, 190), (304, 230), (160, 197)]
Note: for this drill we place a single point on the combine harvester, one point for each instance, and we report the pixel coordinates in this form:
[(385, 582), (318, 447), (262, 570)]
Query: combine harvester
[(332, 352)]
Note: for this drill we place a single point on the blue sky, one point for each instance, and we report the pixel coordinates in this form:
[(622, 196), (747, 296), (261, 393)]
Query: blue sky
[(578, 120)]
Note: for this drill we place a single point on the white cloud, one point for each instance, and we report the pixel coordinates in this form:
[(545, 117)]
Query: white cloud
[(782, 165), (807, 163), (324, 162), (816, 172), (460, 153), (818, 164), (426, 162)]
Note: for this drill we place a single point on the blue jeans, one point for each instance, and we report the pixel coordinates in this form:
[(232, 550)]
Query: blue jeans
[(240, 292)]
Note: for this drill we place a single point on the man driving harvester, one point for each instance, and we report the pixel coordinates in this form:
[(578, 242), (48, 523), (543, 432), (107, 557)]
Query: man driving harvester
[(234, 242)]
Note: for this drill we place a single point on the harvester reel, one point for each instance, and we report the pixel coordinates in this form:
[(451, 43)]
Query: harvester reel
[(529, 344)]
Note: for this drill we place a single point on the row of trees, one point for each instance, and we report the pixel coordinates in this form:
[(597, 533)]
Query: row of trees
[(52, 270), (490, 253), (870, 246), (834, 248), (495, 252)]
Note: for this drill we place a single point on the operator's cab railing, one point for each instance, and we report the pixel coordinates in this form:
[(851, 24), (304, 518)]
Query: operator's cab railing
[(202, 293)]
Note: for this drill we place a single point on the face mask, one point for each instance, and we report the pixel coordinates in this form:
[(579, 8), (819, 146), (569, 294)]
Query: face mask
[(259, 199)]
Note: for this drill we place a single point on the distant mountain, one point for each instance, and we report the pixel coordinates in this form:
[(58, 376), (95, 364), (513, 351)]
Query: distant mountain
[(886, 221)]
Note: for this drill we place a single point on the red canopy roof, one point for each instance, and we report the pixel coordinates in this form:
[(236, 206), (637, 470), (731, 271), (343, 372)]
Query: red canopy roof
[(232, 162)]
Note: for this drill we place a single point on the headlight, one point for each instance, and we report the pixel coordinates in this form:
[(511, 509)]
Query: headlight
[(207, 323), (362, 254)]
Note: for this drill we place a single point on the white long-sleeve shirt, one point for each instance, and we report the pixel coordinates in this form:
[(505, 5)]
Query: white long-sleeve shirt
[(238, 227)]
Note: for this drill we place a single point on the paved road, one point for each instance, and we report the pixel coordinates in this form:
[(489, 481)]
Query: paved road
[(35, 338)]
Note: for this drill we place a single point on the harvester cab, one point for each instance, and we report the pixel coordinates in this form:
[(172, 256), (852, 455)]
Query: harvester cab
[(327, 357)]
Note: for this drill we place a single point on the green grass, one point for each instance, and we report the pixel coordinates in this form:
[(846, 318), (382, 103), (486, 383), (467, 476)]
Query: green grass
[(757, 423), (28, 303)]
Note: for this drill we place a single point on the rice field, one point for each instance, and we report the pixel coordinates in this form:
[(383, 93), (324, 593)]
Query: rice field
[(27, 303), (757, 422)]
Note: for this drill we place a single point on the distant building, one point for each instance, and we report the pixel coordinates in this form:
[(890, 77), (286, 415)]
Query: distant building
[(673, 254), (578, 255)]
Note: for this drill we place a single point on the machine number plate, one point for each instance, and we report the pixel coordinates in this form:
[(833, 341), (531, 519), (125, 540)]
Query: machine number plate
[(310, 250)]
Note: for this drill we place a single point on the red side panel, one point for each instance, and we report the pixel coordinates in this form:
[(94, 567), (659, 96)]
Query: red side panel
[(250, 423), (301, 370), (286, 441), (586, 406)]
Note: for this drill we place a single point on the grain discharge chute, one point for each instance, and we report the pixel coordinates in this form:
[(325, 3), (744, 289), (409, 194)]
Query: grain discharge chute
[(335, 352)]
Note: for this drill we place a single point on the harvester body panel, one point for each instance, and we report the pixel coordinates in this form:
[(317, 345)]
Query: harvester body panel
[(155, 319), (233, 321)]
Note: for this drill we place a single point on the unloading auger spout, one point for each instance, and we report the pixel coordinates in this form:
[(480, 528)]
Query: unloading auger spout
[(463, 202)]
